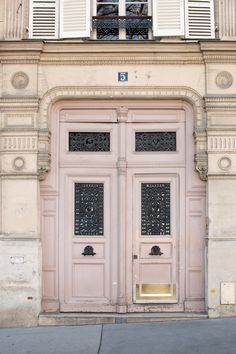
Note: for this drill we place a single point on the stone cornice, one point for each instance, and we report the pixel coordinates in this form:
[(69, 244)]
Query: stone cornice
[(219, 51), (218, 45), (121, 59), (104, 53)]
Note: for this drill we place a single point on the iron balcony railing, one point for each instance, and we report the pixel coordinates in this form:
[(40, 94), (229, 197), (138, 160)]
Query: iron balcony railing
[(126, 22)]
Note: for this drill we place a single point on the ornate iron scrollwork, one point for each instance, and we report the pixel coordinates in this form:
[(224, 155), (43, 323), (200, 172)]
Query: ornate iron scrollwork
[(89, 141), (155, 209), (139, 22), (89, 205), (88, 251), (155, 141), (155, 251), (108, 26)]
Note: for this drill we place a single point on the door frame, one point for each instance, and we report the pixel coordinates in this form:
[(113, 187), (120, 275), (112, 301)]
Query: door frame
[(50, 186)]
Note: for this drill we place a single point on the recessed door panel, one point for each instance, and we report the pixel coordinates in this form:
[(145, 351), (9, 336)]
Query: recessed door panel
[(156, 208), (161, 143), (88, 240), (88, 144)]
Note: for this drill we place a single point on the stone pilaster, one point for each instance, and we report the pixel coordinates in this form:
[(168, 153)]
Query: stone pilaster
[(221, 272), (24, 159)]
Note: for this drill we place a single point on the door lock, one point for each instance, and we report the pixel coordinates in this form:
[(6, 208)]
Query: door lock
[(135, 256)]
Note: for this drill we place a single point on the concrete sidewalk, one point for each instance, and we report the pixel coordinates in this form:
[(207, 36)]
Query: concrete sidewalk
[(216, 336)]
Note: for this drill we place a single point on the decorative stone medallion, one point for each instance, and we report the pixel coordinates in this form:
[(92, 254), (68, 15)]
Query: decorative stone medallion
[(18, 163), (20, 80), (224, 163), (224, 80)]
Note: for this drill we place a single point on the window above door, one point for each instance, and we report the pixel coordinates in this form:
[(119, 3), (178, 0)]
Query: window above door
[(121, 19)]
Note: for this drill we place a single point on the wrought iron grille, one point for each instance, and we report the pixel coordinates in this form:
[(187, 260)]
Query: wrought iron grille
[(89, 141), (155, 209), (108, 26), (89, 209), (155, 141), (122, 22)]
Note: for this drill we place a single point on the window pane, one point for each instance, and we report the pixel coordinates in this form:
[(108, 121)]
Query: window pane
[(108, 1), (136, 1), (107, 10), (137, 33), (114, 24), (136, 10), (110, 34)]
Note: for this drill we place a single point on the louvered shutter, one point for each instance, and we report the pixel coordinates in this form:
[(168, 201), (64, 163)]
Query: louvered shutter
[(200, 19), (168, 18), (43, 19), (75, 18)]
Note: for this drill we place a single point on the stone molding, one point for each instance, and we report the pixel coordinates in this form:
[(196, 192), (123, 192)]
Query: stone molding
[(221, 102), (145, 93), (222, 143), (18, 143), (117, 60), (110, 60), (22, 103), (95, 53)]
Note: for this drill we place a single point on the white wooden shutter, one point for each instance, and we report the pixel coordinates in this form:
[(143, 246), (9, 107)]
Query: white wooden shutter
[(200, 19), (43, 19), (168, 17), (75, 18)]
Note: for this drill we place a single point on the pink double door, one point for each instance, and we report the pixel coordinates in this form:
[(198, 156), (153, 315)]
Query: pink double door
[(123, 213)]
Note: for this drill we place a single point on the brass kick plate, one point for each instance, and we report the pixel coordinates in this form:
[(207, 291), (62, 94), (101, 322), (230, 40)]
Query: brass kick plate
[(156, 292)]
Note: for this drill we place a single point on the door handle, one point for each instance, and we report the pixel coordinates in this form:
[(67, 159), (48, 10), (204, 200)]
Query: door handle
[(88, 251), (135, 256), (155, 251)]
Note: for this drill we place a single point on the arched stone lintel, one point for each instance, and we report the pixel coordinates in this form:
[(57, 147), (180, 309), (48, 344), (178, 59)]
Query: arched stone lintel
[(185, 94)]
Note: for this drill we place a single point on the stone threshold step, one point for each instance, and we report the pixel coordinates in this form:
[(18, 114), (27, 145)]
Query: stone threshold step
[(75, 319)]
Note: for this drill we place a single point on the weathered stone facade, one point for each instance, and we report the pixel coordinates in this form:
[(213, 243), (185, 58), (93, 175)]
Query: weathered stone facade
[(35, 75)]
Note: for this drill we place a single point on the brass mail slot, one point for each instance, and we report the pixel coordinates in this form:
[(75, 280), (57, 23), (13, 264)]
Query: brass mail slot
[(156, 292)]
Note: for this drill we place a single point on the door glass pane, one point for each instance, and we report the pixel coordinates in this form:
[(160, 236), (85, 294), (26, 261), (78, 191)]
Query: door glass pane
[(88, 209), (89, 141), (155, 141), (155, 209)]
